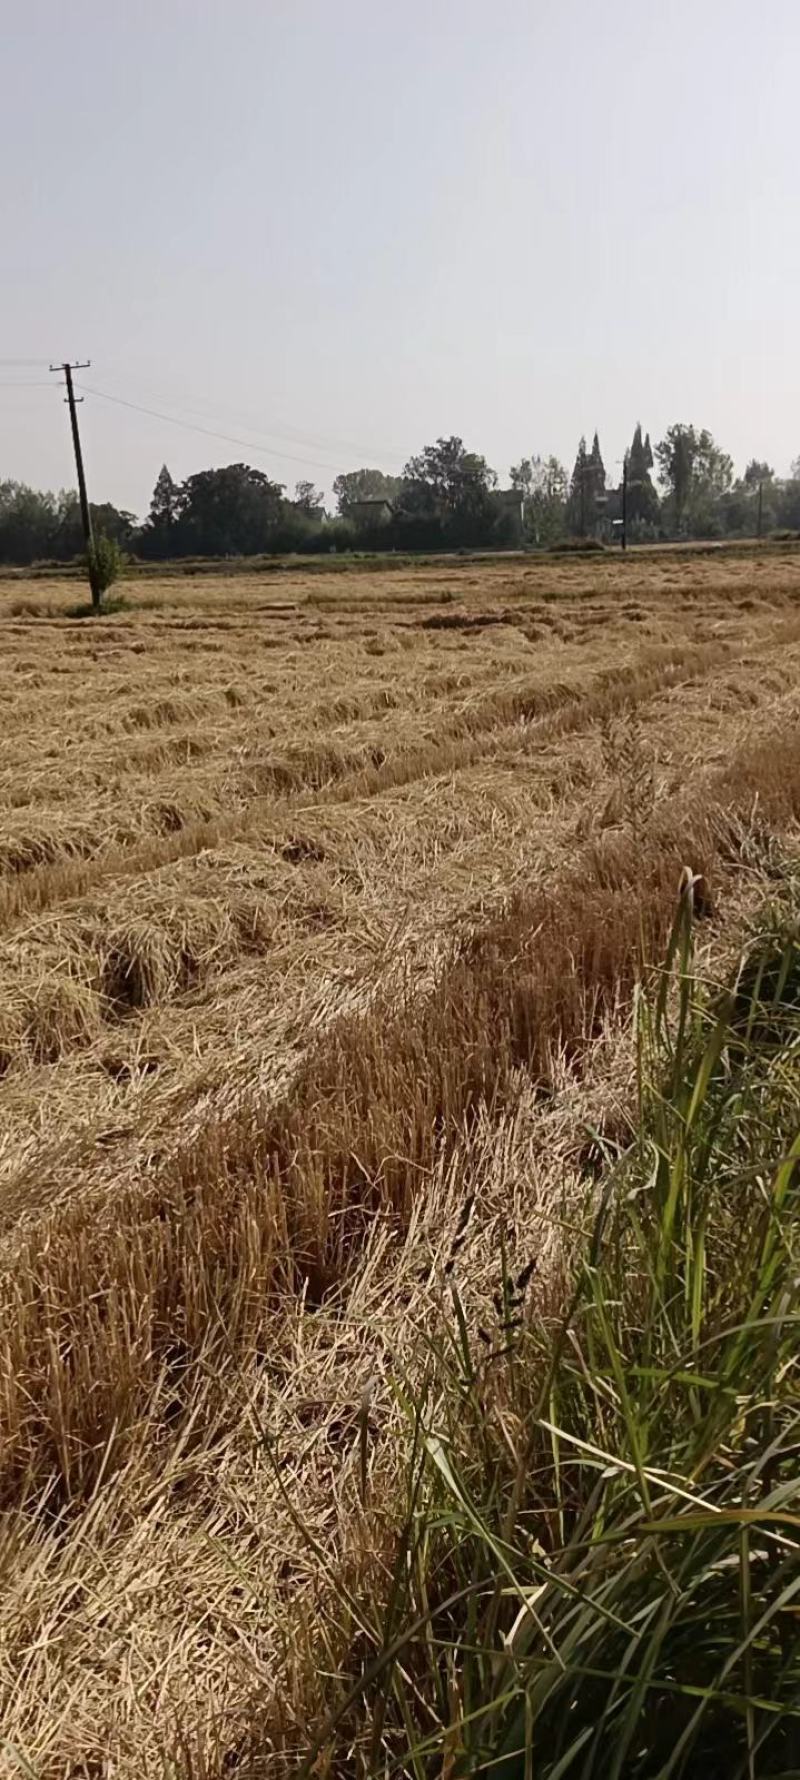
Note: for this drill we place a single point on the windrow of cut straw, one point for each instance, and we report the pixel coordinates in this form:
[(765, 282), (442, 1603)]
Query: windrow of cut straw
[(110, 1309)]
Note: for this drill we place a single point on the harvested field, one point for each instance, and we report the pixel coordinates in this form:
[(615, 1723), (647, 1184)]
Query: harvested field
[(324, 899)]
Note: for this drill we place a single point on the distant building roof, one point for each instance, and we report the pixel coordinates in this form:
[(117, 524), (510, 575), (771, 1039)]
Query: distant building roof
[(374, 509)]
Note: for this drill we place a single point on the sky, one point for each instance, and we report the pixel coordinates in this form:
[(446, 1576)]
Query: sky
[(332, 233)]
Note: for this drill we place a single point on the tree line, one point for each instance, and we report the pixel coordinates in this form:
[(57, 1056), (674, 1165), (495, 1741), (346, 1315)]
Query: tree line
[(447, 497), (684, 487)]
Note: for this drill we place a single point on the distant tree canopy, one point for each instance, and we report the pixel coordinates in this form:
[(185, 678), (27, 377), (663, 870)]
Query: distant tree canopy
[(757, 472), (587, 489), (225, 512), (164, 512), (544, 485), (598, 466), (695, 473), (308, 499), (448, 476), (643, 503), (235, 510), (446, 498), (38, 526), (449, 488)]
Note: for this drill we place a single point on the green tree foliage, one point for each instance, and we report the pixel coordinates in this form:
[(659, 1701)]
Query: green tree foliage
[(696, 474), (27, 522), (754, 496), (445, 498), (544, 485), (676, 454), (787, 495), (713, 476), (637, 458), (364, 485), (302, 525), (231, 511), (103, 566), (448, 479), (577, 505), (788, 502), (165, 508), (35, 526), (756, 472), (598, 468), (447, 493), (114, 523), (67, 538), (520, 476), (308, 499), (587, 490), (643, 503)]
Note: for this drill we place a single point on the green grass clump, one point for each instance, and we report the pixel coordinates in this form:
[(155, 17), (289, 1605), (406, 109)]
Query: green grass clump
[(599, 1572)]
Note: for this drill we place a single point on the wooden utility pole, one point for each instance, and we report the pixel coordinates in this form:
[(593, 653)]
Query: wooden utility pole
[(86, 517), (760, 507), (625, 502)]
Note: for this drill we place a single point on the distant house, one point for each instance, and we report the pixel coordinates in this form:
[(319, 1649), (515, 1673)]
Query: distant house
[(365, 514)]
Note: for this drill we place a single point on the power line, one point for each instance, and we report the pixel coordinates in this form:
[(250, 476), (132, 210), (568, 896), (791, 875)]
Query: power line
[(208, 432), (327, 442), (295, 436), (274, 438)]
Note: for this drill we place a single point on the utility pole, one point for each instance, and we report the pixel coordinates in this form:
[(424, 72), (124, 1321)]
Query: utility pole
[(86, 517), (760, 507), (625, 501)]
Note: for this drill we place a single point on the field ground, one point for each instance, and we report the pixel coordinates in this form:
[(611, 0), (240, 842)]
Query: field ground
[(322, 903)]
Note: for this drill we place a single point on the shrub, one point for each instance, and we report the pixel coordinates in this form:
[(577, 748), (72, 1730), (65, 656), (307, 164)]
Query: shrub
[(103, 565), (576, 546)]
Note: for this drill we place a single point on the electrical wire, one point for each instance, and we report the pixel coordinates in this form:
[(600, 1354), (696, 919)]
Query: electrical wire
[(273, 442), (211, 411), (273, 438), (208, 432)]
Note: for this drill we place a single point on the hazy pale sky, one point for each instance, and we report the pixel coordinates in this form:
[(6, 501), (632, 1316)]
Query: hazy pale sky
[(335, 231)]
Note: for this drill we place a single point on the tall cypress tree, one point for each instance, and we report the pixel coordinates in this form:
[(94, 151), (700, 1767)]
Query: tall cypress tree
[(164, 504), (642, 497), (580, 504), (598, 468), (637, 457), (159, 535)]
